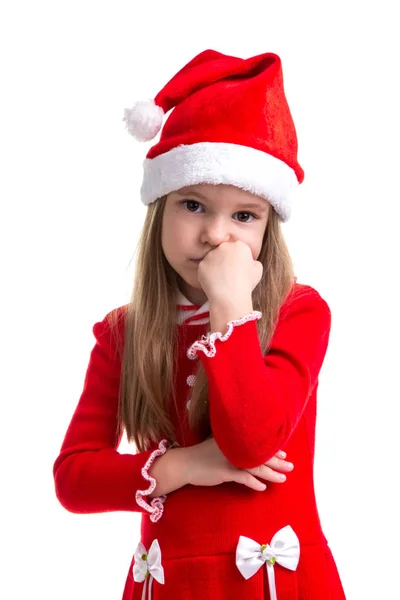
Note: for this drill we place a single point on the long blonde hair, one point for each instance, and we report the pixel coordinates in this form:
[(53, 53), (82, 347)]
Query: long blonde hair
[(148, 353)]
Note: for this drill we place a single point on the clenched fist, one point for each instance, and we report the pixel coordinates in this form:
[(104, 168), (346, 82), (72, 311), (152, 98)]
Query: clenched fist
[(229, 271)]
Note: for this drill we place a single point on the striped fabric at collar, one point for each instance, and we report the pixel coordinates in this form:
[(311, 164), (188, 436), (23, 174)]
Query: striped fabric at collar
[(191, 314)]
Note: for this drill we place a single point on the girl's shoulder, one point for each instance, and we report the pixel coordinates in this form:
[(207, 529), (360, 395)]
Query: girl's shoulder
[(303, 294), (116, 316), (110, 330)]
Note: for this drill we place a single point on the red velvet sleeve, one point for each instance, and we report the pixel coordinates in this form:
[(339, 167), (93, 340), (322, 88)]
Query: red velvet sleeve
[(90, 475), (256, 401)]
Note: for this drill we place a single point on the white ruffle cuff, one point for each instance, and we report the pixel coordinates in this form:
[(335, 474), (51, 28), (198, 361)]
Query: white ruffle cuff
[(207, 342), (156, 506)]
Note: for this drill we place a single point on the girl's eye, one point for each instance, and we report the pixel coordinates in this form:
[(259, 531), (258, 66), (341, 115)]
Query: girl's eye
[(248, 214), (190, 202), (238, 213)]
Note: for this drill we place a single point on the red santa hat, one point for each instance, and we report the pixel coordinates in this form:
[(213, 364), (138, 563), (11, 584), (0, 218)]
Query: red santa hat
[(231, 124)]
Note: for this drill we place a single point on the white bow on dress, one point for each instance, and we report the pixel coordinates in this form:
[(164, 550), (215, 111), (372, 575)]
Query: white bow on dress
[(284, 549), (148, 566)]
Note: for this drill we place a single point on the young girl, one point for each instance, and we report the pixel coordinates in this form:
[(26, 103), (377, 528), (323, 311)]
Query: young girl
[(212, 367)]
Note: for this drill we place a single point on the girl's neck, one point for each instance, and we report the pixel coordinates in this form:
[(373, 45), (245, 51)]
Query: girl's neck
[(193, 295)]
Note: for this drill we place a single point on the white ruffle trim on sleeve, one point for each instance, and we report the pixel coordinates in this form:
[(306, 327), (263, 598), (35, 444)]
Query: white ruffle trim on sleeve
[(209, 339), (155, 508)]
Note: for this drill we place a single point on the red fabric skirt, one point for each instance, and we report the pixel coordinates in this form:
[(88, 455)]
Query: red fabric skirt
[(217, 578)]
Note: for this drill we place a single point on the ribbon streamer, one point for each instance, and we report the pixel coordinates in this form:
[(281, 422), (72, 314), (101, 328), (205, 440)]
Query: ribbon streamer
[(284, 549), (147, 566)]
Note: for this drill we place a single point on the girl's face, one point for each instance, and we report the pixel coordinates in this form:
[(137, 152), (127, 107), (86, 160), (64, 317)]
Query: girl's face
[(199, 218)]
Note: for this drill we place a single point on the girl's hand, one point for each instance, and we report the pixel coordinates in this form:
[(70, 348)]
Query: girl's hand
[(229, 271), (207, 466), (268, 470)]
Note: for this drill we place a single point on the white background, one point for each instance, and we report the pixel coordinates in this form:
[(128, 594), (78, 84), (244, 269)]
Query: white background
[(71, 216)]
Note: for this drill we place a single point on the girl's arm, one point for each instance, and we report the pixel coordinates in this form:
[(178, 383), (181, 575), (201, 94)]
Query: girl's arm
[(256, 401), (171, 471), (90, 475)]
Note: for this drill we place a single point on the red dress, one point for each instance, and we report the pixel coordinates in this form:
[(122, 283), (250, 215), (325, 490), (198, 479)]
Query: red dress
[(258, 405)]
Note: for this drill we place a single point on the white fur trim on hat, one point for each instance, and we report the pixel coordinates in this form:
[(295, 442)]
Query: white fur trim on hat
[(221, 163), (144, 119)]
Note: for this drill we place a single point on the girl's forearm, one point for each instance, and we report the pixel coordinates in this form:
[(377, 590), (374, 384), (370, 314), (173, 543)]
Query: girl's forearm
[(170, 471), (223, 312)]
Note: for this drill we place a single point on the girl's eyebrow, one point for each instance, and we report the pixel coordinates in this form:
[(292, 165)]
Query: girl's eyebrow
[(186, 191), (253, 205)]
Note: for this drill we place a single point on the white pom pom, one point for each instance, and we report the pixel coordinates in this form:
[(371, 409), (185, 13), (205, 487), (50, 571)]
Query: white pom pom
[(144, 119)]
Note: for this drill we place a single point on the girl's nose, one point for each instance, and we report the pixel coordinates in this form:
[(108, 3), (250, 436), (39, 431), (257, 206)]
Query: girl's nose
[(215, 233)]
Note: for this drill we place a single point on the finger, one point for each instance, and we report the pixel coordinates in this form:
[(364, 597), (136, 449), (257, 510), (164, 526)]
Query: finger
[(265, 472), (245, 478), (278, 464)]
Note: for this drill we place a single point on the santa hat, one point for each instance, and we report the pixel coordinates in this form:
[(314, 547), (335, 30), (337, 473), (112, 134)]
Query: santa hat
[(231, 124)]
